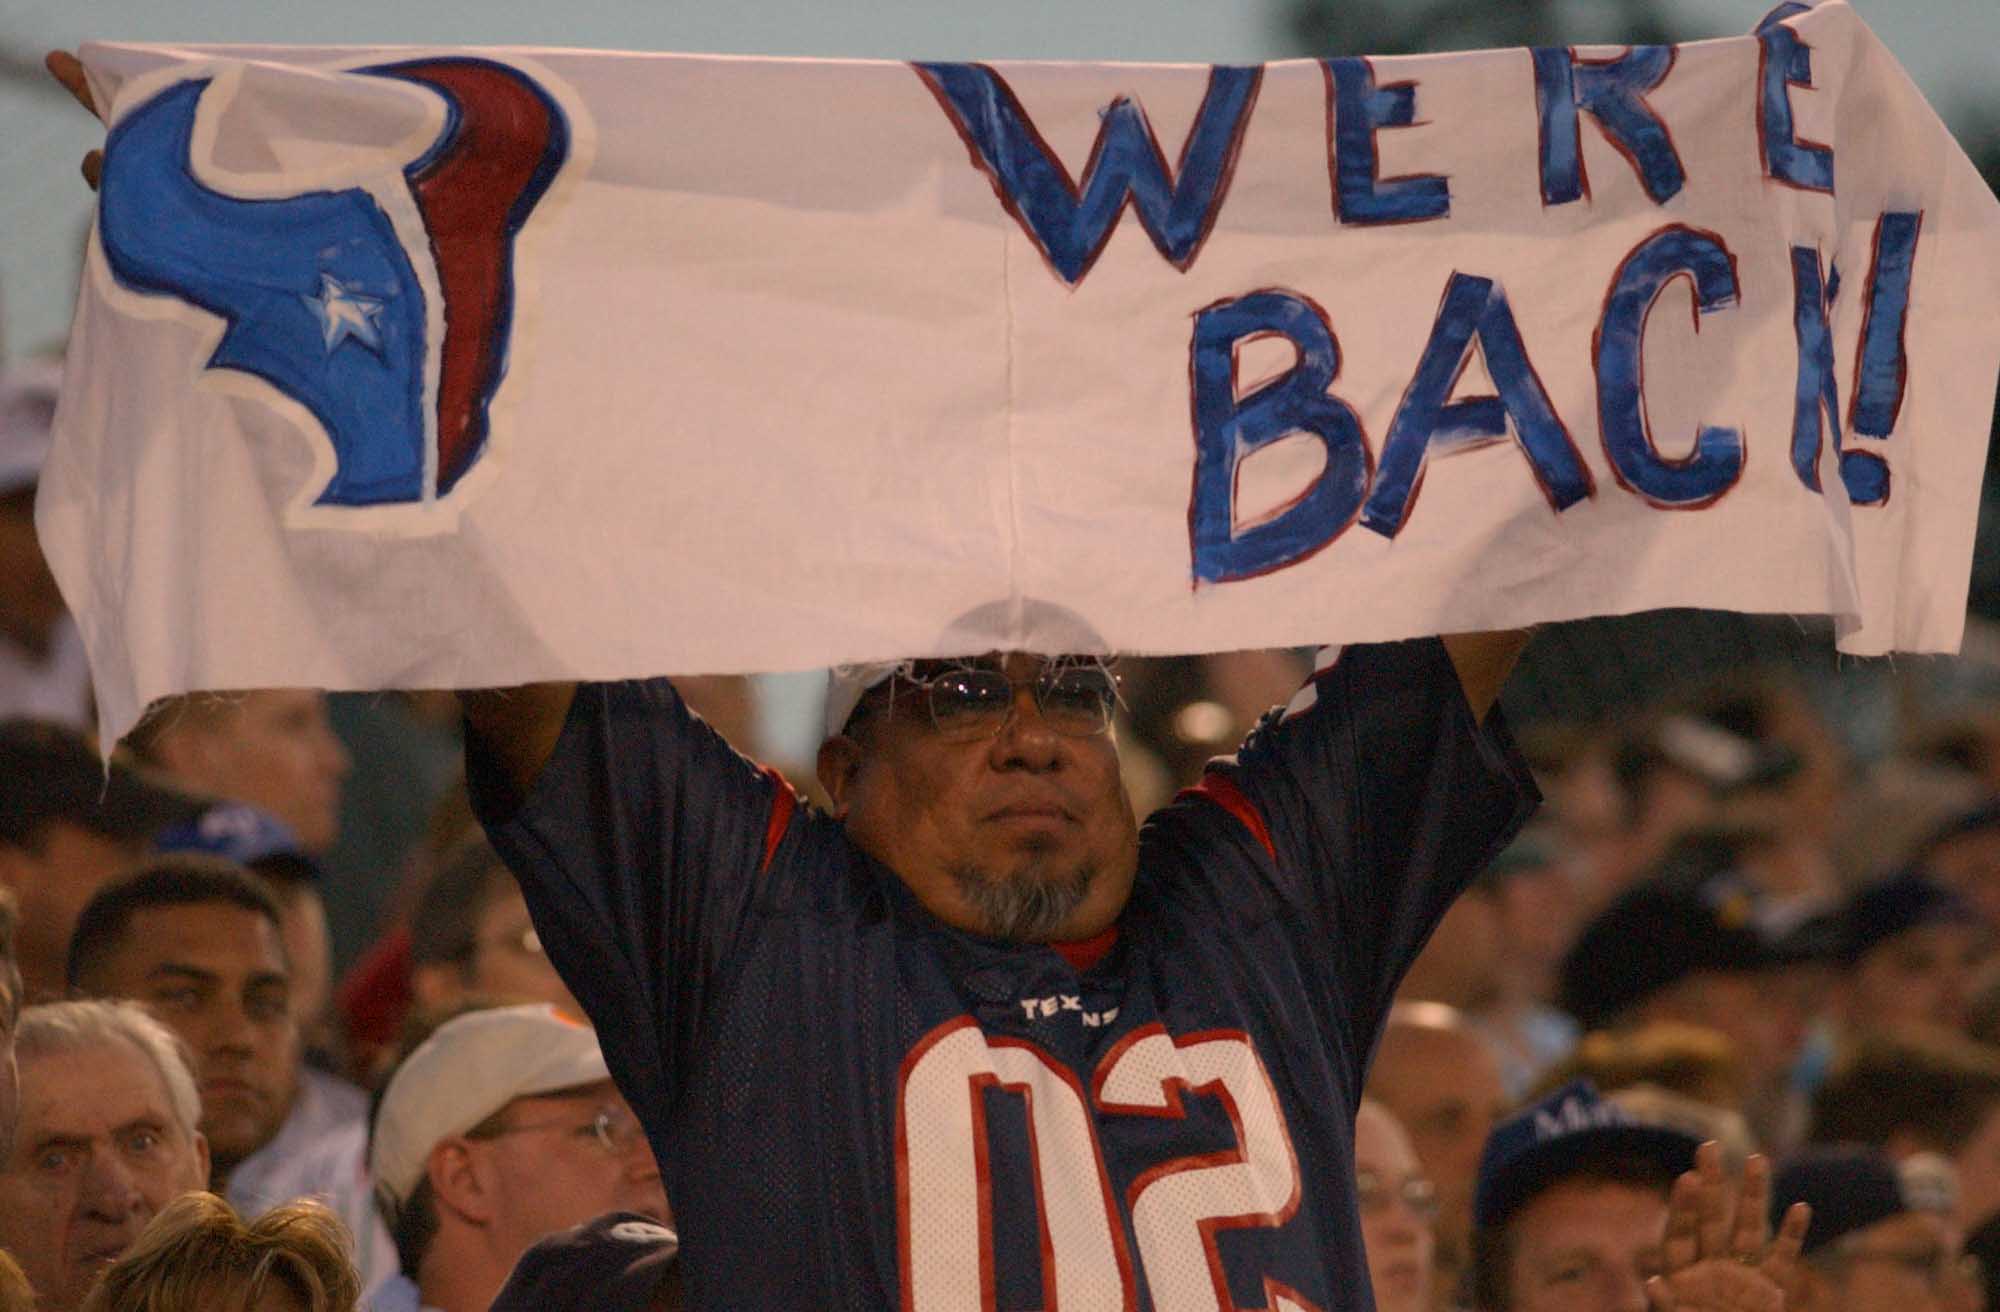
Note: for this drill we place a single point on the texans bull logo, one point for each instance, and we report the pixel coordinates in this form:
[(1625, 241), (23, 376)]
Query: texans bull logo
[(320, 295)]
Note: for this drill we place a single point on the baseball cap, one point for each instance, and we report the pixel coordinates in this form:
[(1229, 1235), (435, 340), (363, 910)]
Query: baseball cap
[(1905, 901), (613, 1264), (54, 773), (245, 834), (846, 685), (28, 392), (1563, 1135), (1016, 623), (1850, 1188), (470, 1068), (1664, 930)]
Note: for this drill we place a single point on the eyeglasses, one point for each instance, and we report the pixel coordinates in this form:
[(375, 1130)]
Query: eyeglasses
[(1373, 1193), (968, 703), (614, 1128)]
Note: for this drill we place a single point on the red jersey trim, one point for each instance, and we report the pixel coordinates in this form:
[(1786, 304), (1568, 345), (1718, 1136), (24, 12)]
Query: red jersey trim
[(1086, 952), (1220, 789), (783, 802)]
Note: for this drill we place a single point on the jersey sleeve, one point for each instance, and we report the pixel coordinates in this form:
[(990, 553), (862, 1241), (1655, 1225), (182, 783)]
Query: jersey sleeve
[(639, 851), (1371, 801)]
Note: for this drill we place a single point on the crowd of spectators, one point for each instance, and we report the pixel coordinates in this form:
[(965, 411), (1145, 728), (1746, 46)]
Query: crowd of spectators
[(1726, 927)]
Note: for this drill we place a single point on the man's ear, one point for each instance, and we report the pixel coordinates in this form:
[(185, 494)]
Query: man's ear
[(839, 762), (202, 1159), (458, 1182)]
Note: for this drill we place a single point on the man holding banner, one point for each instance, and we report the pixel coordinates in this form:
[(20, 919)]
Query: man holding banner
[(977, 1039)]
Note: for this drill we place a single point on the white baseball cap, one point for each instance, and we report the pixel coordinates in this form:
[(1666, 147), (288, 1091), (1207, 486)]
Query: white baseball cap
[(470, 1068), (846, 685), (28, 391)]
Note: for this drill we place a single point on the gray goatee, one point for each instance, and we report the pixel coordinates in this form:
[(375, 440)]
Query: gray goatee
[(1029, 906)]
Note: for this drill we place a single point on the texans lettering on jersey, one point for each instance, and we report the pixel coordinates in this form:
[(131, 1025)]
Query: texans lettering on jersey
[(856, 1106)]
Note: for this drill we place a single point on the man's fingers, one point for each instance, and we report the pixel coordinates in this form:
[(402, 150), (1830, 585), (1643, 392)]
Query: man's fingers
[(1682, 1245), (1713, 1210), (67, 69), (1659, 1295), (93, 168), (1792, 1232), (1782, 1264), (1753, 1201)]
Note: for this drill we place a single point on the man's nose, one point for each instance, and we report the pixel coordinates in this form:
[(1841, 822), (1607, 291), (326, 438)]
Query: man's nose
[(110, 1190), (1026, 740)]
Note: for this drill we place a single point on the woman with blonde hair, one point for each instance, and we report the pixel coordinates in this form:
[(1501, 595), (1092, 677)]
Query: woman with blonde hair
[(198, 1255)]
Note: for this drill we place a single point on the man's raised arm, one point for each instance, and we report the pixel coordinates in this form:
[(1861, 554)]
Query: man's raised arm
[(517, 727)]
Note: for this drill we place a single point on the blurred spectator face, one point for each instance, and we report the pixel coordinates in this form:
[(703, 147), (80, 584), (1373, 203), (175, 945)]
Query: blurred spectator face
[(1460, 965), (1978, 1165), (1585, 1245), (1397, 1203), (556, 1160), (1762, 1012), (214, 972), (1907, 1263), (501, 957), (1970, 863), (1441, 1081), (507, 957), (1923, 976), (98, 1152), (30, 603), (10, 1075), (52, 880), (1538, 913), (273, 748)]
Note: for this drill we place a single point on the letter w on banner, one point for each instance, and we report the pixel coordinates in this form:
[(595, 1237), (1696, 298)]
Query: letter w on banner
[(446, 367)]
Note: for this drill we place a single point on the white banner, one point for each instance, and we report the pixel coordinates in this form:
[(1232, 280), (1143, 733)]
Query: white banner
[(402, 367)]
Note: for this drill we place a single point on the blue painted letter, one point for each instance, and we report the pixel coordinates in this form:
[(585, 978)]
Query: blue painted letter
[(1717, 459), (1071, 223), (1360, 193), (1227, 430), (1784, 62), (1883, 365), (1428, 418), (1613, 93)]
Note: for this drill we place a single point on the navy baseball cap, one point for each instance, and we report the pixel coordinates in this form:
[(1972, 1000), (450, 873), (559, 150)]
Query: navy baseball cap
[(1565, 1134), (1664, 930), (1850, 1188), (1905, 901), (53, 773), (250, 837), (621, 1262)]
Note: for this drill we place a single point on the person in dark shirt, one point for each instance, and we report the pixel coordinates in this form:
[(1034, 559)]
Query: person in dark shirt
[(976, 1037)]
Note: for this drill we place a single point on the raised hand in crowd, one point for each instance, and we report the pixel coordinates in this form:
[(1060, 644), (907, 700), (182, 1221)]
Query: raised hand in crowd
[(1719, 1254)]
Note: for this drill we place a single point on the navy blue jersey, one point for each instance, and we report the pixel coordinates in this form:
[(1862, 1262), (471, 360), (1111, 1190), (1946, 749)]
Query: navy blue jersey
[(857, 1107)]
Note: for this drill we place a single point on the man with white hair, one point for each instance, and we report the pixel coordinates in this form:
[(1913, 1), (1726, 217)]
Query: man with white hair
[(107, 1138)]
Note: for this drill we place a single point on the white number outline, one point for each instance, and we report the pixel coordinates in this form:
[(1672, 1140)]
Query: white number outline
[(1161, 1097)]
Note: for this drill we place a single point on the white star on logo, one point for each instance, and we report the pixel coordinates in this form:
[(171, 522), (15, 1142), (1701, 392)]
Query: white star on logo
[(343, 313)]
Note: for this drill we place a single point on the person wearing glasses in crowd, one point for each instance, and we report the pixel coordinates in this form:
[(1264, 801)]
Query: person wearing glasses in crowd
[(1398, 1205), (501, 1128), (471, 937), (972, 1035), (1883, 1237)]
